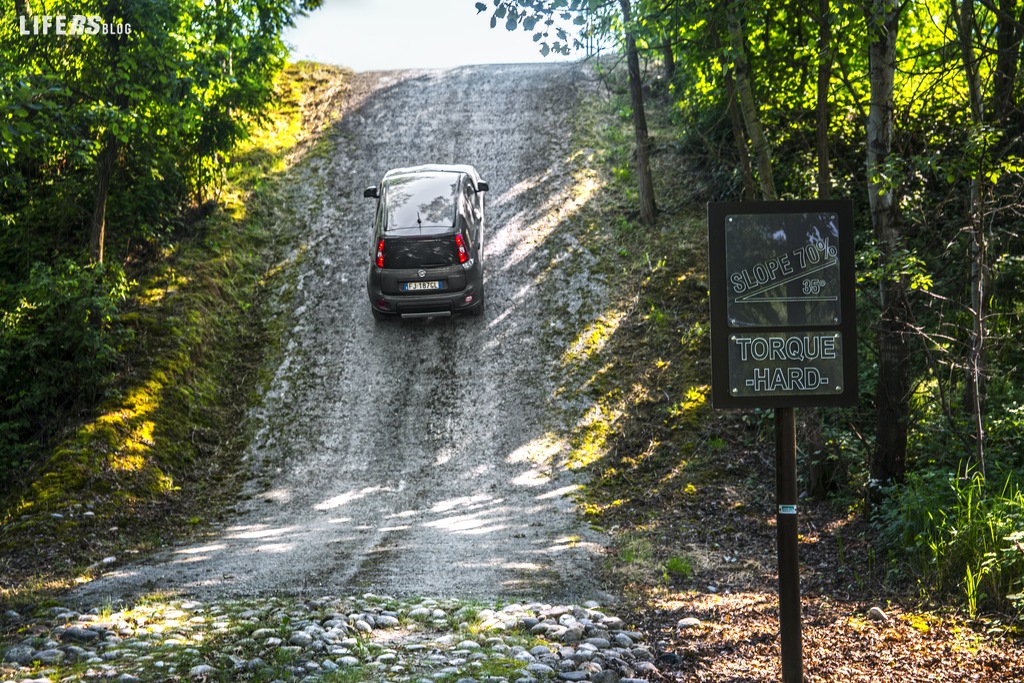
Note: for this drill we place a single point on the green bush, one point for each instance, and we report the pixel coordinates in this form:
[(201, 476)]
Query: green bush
[(963, 535), (59, 344)]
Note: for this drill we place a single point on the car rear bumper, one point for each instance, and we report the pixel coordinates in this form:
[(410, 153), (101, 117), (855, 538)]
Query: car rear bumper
[(424, 305)]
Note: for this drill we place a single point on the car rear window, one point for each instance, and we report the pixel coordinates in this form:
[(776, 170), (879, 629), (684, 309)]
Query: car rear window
[(421, 200), (418, 252)]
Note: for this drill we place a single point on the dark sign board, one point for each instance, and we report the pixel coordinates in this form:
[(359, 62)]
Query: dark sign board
[(783, 326)]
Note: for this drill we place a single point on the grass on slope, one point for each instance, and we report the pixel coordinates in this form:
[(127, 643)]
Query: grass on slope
[(686, 493), (160, 459)]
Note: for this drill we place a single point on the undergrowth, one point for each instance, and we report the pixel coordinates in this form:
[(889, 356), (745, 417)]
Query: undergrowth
[(962, 537), (685, 491), (124, 478), (638, 369)]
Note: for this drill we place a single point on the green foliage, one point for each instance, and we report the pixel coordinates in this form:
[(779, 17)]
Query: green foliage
[(678, 568), (557, 26), (110, 399), (169, 88), (948, 158), (154, 440), (59, 344), (962, 535), (635, 549)]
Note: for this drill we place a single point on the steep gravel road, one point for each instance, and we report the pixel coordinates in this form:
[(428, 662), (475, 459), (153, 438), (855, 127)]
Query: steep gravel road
[(414, 457)]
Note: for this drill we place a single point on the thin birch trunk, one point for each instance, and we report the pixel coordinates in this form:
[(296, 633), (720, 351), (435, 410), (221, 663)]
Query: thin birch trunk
[(643, 140), (748, 108), (822, 472), (963, 12), (888, 464)]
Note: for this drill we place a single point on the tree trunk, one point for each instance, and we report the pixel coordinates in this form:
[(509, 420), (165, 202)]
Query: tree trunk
[(751, 117), (643, 141), (976, 359), (974, 396), (1009, 35), (106, 160), (823, 473), (738, 134), (821, 108), (104, 174), (963, 11), (669, 58), (888, 464)]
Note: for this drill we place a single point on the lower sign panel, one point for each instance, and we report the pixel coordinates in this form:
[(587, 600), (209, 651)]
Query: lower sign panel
[(765, 364)]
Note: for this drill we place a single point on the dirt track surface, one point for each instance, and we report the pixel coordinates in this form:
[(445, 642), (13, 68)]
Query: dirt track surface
[(411, 458)]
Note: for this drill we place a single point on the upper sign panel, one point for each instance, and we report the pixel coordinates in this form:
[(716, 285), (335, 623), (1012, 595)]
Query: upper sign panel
[(782, 269)]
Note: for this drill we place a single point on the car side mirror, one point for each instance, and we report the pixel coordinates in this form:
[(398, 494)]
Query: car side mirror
[(482, 186), (371, 193)]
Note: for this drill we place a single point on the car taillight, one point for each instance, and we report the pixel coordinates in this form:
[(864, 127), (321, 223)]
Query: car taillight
[(380, 254), (461, 246)]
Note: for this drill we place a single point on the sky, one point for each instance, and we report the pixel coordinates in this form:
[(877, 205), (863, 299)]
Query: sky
[(373, 35)]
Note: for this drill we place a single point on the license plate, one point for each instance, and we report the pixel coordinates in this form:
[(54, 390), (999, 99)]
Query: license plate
[(422, 285)]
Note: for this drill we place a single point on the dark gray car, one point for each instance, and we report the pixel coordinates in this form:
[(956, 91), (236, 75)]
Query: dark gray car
[(426, 255)]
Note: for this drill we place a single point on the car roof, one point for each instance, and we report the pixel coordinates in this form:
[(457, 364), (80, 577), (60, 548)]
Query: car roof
[(465, 169)]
